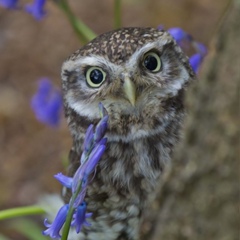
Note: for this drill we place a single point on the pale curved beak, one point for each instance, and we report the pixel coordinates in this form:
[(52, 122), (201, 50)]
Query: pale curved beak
[(129, 90)]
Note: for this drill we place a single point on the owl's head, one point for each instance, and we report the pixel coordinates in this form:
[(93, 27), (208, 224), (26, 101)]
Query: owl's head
[(138, 74)]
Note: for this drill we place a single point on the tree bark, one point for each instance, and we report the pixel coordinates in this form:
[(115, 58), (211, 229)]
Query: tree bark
[(198, 195)]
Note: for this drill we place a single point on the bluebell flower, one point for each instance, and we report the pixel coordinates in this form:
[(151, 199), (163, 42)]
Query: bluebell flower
[(87, 167), (54, 229), (184, 39), (64, 180), (11, 4), (81, 195), (93, 149), (47, 103), (102, 110), (80, 216), (101, 129), (91, 138), (88, 144), (195, 61), (95, 156), (178, 34), (83, 172), (36, 9)]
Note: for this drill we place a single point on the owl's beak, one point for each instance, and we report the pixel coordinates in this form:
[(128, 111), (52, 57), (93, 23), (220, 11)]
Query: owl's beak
[(129, 90)]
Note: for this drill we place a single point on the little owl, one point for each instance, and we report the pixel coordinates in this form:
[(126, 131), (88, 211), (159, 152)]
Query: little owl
[(139, 75)]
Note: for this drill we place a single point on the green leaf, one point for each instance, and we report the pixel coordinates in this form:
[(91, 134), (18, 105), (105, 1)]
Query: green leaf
[(3, 237), (84, 33), (29, 229), (21, 211)]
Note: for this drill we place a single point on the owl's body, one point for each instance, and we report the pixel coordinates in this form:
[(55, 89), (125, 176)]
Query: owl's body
[(144, 100)]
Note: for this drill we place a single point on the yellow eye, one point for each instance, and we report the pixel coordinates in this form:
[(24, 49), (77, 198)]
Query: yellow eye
[(95, 76), (152, 62)]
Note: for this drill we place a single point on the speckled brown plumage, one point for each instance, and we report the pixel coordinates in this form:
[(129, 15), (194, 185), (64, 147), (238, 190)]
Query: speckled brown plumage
[(141, 136), (117, 46)]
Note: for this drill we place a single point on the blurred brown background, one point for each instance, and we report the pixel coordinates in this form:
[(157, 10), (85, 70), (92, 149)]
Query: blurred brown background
[(30, 152)]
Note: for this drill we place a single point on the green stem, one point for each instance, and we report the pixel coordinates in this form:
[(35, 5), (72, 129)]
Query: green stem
[(117, 14), (67, 224), (68, 221), (84, 33), (21, 211)]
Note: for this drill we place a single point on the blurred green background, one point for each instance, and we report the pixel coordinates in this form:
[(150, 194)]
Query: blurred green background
[(30, 152)]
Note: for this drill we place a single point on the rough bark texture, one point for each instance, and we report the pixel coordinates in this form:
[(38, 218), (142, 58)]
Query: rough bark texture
[(199, 194)]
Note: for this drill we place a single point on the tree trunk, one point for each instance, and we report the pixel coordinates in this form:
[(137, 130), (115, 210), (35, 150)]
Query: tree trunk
[(198, 196)]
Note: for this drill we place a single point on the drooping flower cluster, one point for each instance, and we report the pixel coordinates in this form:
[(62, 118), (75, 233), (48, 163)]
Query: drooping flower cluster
[(36, 9), (47, 103), (182, 38), (93, 149)]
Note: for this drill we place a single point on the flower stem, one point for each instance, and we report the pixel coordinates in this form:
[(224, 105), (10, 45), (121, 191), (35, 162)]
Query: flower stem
[(67, 224), (84, 33), (117, 14), (68, 221), (21, 211)]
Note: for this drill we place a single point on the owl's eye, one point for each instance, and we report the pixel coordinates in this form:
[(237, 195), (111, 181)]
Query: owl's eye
[(152, 62), (95, 76)]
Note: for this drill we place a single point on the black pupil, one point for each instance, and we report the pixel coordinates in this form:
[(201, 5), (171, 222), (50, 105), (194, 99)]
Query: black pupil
[(150, 63), (96, 76)]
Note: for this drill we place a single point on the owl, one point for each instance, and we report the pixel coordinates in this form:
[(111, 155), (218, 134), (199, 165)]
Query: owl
[(140, 76)]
